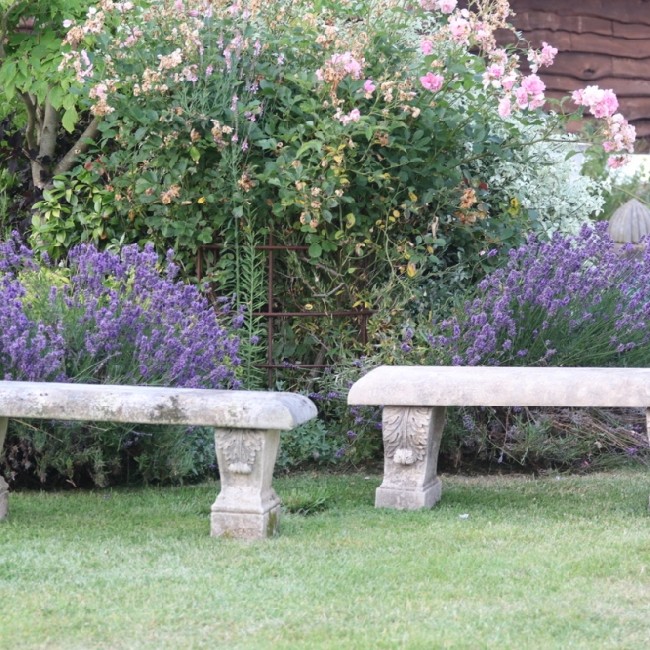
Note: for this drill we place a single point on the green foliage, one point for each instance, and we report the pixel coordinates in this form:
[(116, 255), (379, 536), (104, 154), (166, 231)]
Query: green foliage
[(101, 454), (622, 185), (32, 54), (8, 182), (252, 123), (247, 281), (309, 121), (580, 440), (309, 444), (76, 209)]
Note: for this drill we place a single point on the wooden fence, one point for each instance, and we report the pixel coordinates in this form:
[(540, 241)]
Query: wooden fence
[(602, 42)]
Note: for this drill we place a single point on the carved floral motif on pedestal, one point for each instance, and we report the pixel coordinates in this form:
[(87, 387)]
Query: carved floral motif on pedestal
[(406, 433), (239, 449)]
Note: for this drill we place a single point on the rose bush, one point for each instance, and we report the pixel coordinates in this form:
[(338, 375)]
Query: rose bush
[(372, 132), (394, 141)]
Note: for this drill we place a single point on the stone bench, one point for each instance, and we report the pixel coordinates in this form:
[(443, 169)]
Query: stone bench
[(414, 400), (247, 435)]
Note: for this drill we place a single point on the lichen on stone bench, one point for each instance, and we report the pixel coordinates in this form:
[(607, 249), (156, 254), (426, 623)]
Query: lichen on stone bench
[(247, 428), (415, 398)]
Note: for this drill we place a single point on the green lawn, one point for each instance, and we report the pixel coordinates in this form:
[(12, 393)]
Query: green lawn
[(502, 562)]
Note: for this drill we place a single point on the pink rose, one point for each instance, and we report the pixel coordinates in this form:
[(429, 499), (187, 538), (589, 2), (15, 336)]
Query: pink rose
[(548, 54), (432, 82), (369, 87), (493, 74), (533, 84), (544, 57), (508, 81), (460, 29), (426, 46), (607, 105), (505, 107), (602, 103), (522, 97), (447, 6), (354, 115), (614, 162)]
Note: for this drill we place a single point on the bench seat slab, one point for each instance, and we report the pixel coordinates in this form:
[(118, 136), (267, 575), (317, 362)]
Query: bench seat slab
[(502, 386), (411, 445), (247, 506), (155, 405)]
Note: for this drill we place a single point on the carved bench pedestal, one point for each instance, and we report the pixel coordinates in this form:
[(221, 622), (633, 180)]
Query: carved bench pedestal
[(247, 506), (411, 443)]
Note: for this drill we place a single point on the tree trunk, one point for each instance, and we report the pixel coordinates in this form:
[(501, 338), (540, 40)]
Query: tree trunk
[(46, 139)]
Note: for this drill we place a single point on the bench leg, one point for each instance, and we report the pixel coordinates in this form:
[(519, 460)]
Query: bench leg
[(4, 488), (247, 506), (411, 444)]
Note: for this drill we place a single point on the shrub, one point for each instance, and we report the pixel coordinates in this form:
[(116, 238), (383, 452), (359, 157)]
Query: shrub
[(570, 301), (109, 318), (386, 137)]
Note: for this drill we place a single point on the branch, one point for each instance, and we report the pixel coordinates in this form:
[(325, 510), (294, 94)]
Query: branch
[(48, 132), (79, 147), (32, 119), (318, 265)]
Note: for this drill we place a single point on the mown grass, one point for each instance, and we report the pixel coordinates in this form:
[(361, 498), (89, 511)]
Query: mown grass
[(502, 562)]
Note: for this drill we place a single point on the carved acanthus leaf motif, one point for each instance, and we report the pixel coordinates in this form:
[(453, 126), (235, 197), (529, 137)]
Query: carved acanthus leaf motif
[(406, 433), (240, 449)]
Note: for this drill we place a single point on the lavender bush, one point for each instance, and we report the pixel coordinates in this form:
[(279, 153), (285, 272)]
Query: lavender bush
[(109, 318), (570, 301), (567, 301)]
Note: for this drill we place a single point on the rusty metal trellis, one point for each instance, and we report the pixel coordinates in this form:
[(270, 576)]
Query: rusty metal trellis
[(271, 247)]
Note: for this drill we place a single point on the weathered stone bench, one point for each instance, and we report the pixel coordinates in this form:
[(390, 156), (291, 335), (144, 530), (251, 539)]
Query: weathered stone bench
[(414, 400), (247, 435)]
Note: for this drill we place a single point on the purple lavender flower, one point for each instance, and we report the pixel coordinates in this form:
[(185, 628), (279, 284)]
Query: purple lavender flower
[(468, 422), (121, 318), (567, 301)]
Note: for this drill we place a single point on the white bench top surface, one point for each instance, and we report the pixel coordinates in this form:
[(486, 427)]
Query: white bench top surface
[(155, 405), (502, 386)]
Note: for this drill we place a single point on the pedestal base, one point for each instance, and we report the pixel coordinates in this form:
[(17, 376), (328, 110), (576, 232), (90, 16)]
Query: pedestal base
[(402, 498), (411, 443), (245, 525)]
